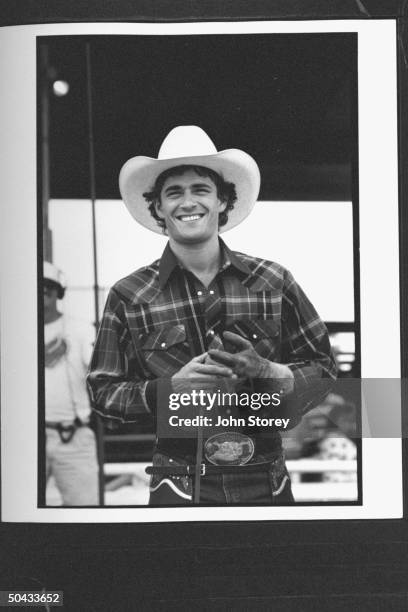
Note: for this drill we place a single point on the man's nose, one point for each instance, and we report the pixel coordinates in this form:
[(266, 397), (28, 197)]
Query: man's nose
[(188, 200)]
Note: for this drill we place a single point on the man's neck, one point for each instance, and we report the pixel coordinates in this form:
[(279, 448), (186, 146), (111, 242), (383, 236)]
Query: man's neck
[(202, 259), (51, 316)]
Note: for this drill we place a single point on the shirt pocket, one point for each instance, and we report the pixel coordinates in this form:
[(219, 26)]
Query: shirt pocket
[(165, 350), (263, 334)]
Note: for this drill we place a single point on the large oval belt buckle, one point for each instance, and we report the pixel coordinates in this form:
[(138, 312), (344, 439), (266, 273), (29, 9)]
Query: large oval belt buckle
[(229, 448)]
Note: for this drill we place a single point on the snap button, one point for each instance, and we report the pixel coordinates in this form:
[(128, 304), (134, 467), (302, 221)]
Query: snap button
[(199, 293), (254, 336), (163, 344)]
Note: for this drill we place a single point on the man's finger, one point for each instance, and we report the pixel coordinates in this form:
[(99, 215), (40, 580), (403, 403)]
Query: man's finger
[(224, 357), (214, 370), (241, 360), (200, 358), (236, 339)]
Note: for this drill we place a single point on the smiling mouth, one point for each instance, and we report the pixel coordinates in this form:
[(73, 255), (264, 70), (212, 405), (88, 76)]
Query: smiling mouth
[(190, 217)]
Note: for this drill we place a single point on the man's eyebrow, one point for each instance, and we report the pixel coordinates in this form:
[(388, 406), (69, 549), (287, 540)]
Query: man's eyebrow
[(193, 186), (172, 187), (200, 185)]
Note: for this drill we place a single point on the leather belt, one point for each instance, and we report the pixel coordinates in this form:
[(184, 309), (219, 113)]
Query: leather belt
[(65, 429), (189, 470), (63, 424)]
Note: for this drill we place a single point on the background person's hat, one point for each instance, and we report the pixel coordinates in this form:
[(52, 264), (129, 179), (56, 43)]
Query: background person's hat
[(189, 144), (53, 275)]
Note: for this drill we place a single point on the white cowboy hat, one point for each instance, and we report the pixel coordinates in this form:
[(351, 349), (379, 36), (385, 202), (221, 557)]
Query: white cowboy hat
[(189, 144)]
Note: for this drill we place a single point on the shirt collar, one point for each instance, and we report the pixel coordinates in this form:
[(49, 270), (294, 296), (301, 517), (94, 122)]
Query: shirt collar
[(169, 262), (233, 259)]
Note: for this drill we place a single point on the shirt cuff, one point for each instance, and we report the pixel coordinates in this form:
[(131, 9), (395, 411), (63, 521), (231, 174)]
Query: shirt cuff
[(310, 386), (155, 392)]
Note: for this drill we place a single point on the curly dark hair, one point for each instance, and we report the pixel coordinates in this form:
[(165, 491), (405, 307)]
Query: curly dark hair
[(226, 191)]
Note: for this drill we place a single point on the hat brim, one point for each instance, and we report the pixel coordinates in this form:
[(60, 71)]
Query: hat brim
[(139, 174), (49, 282)]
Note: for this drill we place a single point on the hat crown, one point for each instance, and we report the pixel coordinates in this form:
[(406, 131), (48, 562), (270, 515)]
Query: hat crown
[(186, 141), (52, 273)]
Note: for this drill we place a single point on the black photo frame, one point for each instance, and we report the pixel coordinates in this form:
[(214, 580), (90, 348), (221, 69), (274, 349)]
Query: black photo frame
[(298, 565)]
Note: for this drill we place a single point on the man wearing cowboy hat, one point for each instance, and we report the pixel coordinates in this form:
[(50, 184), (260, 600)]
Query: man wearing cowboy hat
[(205, 318), (70, 444)]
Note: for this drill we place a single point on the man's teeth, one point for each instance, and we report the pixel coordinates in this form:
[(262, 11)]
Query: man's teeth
[(190, 217)]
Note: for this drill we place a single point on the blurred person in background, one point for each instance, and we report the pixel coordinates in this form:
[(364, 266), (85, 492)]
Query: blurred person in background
[(339, 442), (330, 433), (70, 443)]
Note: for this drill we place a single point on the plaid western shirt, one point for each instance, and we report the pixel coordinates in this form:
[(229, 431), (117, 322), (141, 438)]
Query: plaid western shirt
[(161, 316)]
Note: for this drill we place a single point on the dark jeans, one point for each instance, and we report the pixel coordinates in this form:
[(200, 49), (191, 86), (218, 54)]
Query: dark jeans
[(271, 487)]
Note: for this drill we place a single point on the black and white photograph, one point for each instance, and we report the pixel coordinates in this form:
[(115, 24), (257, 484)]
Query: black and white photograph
[(215, 319), (203, 273)]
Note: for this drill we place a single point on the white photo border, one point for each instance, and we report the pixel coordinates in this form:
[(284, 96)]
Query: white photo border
[(378, 202)]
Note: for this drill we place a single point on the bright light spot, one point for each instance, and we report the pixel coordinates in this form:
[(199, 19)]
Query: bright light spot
[(60, 88)]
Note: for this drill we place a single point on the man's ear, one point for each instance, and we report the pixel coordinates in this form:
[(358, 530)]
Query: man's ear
[(157, 207), (223, 205)]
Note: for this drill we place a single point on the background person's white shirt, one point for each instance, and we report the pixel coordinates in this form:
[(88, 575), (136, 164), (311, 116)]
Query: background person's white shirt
[(66, 395)]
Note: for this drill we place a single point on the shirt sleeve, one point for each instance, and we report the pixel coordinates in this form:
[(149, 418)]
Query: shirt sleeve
[(115, 379), (306, 347)]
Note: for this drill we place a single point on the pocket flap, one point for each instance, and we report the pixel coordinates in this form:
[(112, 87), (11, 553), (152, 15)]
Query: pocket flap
[(254, 329), (163, 338)]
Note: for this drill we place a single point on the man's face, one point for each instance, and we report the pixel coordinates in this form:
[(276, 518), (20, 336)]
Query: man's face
[(50, 298), (189, 206)]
